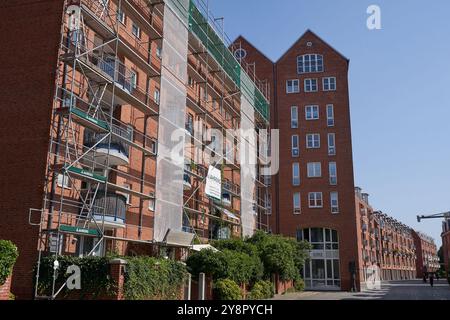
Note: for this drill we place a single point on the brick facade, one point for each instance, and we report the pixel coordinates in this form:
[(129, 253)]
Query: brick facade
[(5, 289), (29, 58), (283, 219)]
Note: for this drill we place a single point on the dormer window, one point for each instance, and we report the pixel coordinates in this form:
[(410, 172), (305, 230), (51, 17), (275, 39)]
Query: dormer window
[(309, 63)]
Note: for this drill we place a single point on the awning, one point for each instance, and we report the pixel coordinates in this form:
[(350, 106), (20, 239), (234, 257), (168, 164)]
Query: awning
[(200, 247), (230, 214)]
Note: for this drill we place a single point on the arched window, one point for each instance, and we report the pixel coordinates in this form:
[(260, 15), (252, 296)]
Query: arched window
[(310, 63)]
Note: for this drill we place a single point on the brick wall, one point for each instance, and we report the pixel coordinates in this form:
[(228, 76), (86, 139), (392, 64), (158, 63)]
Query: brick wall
[(5, 289), (29, 34)]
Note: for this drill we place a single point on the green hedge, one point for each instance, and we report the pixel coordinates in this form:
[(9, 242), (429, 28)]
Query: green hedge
[(151, 278), (8, 257), (95, 275), (226, 264), (262, 290), (227, 289), (280, 255)]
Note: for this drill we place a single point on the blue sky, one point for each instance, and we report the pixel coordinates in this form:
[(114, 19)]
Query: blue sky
[(399, 89)]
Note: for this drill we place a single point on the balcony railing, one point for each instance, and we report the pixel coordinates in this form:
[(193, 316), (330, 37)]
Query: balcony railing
[(117, 141), (112, 206)]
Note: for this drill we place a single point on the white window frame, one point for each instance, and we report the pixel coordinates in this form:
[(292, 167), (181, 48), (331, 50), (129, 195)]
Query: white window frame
[(127, 195), (330, 115), (327, 84), (138, 30), (312, 112), (294, 87), (121, 16), (133, 79), (334, 202), (294, 117), (308, 85), (332, 166), (296, 175), (315, 139), (63, 181), (331, 139), (158, 52), (157, 96), (151, 204), (297, 207), (295, 150), (305, 65), (316, 198), (314, 169)]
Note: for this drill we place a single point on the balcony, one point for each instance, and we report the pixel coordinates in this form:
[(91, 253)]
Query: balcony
[(106, 152), (110, 209)]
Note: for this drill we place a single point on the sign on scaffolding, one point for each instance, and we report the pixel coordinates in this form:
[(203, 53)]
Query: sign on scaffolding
[(213, 186)]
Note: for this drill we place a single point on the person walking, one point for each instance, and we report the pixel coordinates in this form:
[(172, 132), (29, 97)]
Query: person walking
[(431, 278)]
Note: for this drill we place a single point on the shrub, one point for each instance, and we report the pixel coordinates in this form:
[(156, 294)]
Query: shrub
[(280, 255), (208, 262), (299, 284), (226, 264), (95, 275), (151, 278), (8, 257), (227, 289), (262, 290)]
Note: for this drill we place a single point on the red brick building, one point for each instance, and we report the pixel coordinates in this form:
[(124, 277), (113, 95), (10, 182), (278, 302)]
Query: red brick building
[(92, 92), (426, 251), (313, 194), (446, 243)]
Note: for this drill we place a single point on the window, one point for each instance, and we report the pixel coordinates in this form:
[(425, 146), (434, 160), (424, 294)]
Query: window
[(64, 181), (312, 112), (120, 16), (329, 84), (330, 115), (292, 86), (294, 117), (295, 147), (332, 168), (133, 79), (127, 195), (314, 169), (151, 204), (295, 174), (331, 144), (315, 200), (310, 63), (135, 30), (334, 202), (310, 85), (297, 203), (158, 52), (268, 200), (156, 96), (313, 141), (191, 82)]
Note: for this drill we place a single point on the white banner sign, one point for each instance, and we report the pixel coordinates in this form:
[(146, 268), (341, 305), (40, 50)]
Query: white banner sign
[(213, 186)]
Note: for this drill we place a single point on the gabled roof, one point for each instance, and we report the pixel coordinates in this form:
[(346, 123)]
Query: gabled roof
[(241, 37), (307, 32)]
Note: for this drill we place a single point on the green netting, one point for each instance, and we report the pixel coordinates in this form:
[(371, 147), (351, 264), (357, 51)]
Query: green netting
[(198, 24), (181, 8)]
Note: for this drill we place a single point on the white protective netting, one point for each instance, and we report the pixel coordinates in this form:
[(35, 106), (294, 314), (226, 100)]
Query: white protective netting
[(248, 159), (171, 136)]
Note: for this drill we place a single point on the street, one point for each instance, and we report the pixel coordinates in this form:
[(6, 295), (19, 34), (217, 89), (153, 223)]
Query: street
[(392, 290)]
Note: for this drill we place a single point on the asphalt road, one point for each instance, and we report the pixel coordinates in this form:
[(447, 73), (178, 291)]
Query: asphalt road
[(393, 290)]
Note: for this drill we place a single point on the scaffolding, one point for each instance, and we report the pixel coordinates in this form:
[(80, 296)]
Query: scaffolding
[(102, 118), (119, 96)]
